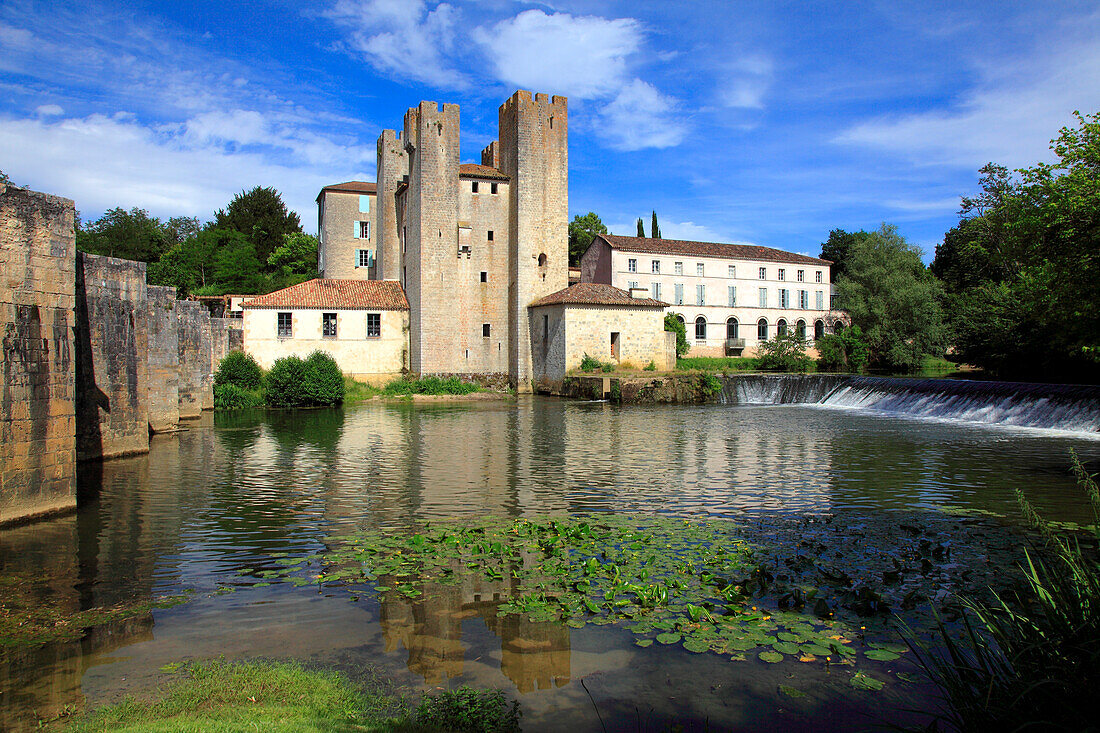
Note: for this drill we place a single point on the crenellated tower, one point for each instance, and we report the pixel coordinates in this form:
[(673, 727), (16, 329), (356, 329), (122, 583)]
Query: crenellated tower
[(534, 153), (392, 170), (431, 143)]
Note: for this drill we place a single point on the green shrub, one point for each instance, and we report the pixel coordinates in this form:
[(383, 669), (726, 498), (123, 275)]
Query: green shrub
[(589, 364), (324, 380), (784, 353), (844, 351), (239, 369), (294, 382), (430, 386), (607, 367), (467, 710), (229, 396), (650, 367), (674, 324)]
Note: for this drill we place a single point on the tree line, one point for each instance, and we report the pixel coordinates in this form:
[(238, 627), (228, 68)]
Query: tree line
[(253, 245)]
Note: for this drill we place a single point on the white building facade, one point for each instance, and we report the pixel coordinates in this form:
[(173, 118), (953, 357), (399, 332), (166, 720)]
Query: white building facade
[(731, 297)]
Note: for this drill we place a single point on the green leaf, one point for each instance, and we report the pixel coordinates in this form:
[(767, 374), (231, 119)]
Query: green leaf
[(668, 638), (696, 645), (862, 681), (770, 657), (880, 655), (643, 642)]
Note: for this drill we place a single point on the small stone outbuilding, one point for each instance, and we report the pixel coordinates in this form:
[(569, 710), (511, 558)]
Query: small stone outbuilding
[(363, 324), (599, 320)]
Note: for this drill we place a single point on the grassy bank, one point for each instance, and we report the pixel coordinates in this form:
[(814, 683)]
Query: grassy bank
[(276, 696), (717, 364)]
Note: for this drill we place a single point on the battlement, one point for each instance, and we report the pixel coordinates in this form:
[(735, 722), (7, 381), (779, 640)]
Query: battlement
[(491, 155), (524, 98)]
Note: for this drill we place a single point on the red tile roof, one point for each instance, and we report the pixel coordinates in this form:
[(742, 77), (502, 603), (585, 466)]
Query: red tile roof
[(351, 187), (385, 295), (708, 249), (595, 294), (473, 170)]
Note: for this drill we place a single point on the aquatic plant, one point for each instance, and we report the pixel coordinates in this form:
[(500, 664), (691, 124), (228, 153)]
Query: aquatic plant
[(232, 397), (430, 386), (240, 369), (1029, 658), (294, 382), (467, 710), (670, 581)]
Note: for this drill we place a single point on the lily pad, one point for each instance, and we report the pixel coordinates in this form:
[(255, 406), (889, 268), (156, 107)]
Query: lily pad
[(785, 647), (643, 642), (696, 645), (862, 681), (668, 638), (880, 655), (770, 657)]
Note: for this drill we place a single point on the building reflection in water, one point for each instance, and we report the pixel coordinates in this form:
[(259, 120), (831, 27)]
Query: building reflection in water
[(534, 655)]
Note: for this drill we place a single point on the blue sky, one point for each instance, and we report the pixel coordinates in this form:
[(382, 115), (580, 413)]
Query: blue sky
[(763, 122)]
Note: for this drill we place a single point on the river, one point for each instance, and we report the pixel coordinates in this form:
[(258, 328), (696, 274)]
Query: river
[(205, 508)]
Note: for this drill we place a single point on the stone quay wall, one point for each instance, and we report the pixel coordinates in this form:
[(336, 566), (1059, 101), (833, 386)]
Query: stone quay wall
[(112, 336), (38, 395), (196, 356)]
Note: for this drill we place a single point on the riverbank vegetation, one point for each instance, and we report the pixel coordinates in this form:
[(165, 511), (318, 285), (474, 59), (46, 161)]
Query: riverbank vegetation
[(1029, 656), (283, 696)]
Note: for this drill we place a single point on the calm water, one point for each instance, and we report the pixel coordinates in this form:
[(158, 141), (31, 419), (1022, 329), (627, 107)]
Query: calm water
[(232, 491)]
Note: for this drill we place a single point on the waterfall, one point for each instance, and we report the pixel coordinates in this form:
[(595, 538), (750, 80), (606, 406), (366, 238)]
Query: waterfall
[(1074, 408)]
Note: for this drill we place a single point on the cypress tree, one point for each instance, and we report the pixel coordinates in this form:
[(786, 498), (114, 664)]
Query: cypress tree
[(654, 230), (641, 227)]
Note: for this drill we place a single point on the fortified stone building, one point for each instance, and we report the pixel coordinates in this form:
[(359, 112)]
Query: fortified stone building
[(472, 247)]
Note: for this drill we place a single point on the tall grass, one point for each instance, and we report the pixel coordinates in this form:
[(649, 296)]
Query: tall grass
[(430, 386), (1030, 659), (717, 364)]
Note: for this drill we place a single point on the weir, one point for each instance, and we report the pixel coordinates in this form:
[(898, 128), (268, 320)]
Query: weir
[(1068, 407)]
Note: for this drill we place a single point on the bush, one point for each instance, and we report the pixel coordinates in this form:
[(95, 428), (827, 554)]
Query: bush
[(784, 353), (650, 367), (589, 364), (293, 382), (844, 351), (231, 397), (674, 324), (469, 710), (324, 380), (240, 370)]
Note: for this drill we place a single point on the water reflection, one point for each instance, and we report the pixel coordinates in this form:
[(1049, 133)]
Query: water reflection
[(229, 493)]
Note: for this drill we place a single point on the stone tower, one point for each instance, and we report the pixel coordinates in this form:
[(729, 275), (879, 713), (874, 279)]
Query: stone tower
[(431, 138), (393, 169), (534, 153)]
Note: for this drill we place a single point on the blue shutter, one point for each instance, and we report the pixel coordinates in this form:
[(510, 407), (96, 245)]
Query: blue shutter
[(355, 230), (364, 204)]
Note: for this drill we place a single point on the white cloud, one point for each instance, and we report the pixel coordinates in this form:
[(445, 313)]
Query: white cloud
[(105, 161), (745, 81), (403, 37), (641, 117), (1009, 117), (49, 110), (578, 56)]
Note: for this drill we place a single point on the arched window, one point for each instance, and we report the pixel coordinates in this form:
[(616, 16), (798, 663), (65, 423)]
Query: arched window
[(781, 327), (819, 329), (838, 326), (680, 318), (800, 329), (762, 329), (700, 329), (731, 327)]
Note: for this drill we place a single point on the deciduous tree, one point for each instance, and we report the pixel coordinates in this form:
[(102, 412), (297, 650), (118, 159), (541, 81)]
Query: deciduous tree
[(260, 215), (582, 230)]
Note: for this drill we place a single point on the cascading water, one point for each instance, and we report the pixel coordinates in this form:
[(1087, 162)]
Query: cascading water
[(1073, 408)]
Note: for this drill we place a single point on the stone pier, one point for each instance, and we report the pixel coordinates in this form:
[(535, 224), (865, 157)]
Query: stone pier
[(38, 397)]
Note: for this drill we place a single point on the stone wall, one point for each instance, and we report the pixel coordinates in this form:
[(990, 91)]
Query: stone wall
[(112, 413), (163, 359), (37, 402), (195, 358), (340, 249)]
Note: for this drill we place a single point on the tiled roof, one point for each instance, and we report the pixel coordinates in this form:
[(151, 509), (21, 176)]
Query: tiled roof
[(385, 295), (351, 187), (473, 170), (709, 249), (595, 294)]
